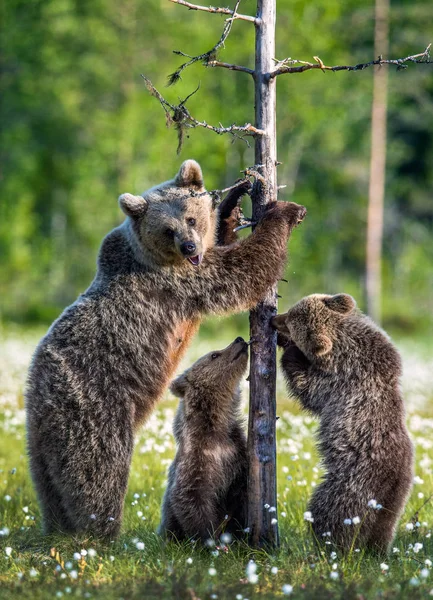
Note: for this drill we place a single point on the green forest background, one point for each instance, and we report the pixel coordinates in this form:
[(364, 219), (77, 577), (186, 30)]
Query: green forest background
[(78, 128)]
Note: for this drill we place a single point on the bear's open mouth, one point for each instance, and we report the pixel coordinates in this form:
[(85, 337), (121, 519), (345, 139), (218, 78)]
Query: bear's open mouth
[(195, 260)]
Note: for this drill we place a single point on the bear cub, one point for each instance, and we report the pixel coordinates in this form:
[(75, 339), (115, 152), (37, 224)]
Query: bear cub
[(344, 368), (207, 481)]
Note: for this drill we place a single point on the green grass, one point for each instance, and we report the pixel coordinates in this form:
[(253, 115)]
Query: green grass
[(39, 567)]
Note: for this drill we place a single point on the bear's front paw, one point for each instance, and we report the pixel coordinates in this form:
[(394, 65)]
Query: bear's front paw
[(294, 359), (290, 211)]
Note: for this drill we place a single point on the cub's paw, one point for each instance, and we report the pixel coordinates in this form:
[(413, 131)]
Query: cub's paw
[(290, 211), (293, 359)]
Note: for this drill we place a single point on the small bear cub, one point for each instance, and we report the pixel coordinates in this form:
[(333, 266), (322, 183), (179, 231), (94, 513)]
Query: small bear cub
[(207, 481), (344, 368)]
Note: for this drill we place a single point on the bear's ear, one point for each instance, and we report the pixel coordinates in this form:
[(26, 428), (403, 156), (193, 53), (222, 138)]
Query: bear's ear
[(179, 386), (341, 303), (133, 206), (321, 345), (189, 175)]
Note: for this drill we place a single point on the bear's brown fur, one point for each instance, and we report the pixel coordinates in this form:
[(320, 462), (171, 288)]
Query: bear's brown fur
[(345, 369), (206, 491), (103, 365)]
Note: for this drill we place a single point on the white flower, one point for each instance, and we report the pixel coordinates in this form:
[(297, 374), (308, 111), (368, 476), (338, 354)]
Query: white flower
[(396, 550), (272, 509), (212, 571), (83, 552), (418, 479), (428, 562), (409, 526), (33, 573), (25, 509), (274, 521), (414, 581), (274, 570), (8, 550), (424, 573), (334, 567), (356, 520), (139, 513), (77, 556), (308, 516), (251, 571), (334, 575), (267, 506), (226, 538), (417, 547), (384, 567), (420, 495), (136, 496), (283, 514), (287, 589), (73, 574), (92, 552), (8, 498), (347, 521), (189, 561), (372, 503), (333, 555), (239, 596)]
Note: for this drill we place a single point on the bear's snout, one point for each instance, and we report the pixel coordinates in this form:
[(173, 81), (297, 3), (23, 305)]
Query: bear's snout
[(188, 248)]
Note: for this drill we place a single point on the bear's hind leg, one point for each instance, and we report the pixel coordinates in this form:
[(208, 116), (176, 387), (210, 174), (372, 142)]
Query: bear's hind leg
[(54, 516)]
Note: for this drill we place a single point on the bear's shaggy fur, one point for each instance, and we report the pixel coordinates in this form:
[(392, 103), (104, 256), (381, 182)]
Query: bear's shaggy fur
[(104, 363), (207, 481), (345, 369)]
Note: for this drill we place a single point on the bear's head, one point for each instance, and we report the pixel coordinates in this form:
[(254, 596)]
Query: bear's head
[(217, 372), (173, 222), (313, 323)]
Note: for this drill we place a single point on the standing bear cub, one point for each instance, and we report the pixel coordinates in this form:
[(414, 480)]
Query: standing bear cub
[(345, 369), (98, 373), (207, 481)]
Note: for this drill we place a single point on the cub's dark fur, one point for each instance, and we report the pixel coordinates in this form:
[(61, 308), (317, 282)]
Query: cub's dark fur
[(208, 478), (98, 373), (345, 369)]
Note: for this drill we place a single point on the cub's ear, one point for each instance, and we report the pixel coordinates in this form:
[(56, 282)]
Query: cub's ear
[(321, 345), (179, 386), (133, 206), (189, 175), (341, 303), (279, 323)]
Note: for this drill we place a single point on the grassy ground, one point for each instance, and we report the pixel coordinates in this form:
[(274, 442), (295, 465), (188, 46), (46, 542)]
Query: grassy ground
[(140, 565)]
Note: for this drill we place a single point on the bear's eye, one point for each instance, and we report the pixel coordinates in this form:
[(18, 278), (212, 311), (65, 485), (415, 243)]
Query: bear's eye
[(214, 355), (169, 232), (191, 222)]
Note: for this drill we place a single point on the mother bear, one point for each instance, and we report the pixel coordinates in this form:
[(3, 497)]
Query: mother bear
[(105, 362)]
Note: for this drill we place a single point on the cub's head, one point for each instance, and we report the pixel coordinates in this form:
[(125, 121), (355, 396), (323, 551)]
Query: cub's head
[(173, 222), (313, 323), (218, 372)]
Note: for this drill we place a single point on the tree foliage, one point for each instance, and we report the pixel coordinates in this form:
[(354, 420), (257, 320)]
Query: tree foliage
[(79, 128)]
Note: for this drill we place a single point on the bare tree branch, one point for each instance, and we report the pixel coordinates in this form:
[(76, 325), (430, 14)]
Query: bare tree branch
[(208, 56), (287, 65), (215, 9), (216, 63), (179, 115)]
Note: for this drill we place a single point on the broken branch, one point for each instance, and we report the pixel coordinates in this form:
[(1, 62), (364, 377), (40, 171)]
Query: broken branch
[(179, 115), (208, 56), (287, 65), (215, 9), (216, 63)]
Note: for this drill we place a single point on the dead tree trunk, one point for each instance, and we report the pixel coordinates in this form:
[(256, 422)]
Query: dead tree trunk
[(376, 193), (262, 494)]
